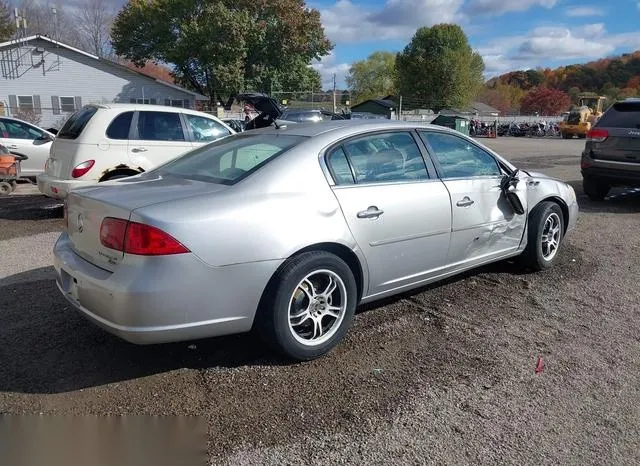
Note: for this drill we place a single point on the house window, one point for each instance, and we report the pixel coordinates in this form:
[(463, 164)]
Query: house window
[(142, 101), (177, 103), (68, 104), (25, 102)]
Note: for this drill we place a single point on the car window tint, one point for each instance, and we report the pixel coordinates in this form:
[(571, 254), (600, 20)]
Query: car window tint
[(160, 126), (206, 129), (76, 123), (17, 130), (386, 157), (119, 127), (621, 115), (459, 158), (339, 167), (228, 160)]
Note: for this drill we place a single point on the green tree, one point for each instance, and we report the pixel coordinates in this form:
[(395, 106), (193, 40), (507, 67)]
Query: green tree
[(373, 77), (438, 69), (7, 26), (220, 47)]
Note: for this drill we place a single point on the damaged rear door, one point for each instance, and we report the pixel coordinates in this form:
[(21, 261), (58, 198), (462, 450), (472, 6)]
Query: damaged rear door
[(484, 223)]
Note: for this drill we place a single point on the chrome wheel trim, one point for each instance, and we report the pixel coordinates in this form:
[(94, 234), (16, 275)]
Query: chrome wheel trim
[(317, 307), (550, 238)]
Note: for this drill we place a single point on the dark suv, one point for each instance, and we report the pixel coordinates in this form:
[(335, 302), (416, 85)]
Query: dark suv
[(611, 155)]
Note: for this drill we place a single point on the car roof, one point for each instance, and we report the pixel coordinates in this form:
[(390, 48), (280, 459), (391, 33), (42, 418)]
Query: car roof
[(150, 107), (315, 129)]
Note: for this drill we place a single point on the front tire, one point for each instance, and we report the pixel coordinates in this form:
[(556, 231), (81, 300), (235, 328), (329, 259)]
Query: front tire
[(308, 306), (545, 234), (596, 190)]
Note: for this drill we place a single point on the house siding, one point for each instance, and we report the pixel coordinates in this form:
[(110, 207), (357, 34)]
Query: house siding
[(71, 74)]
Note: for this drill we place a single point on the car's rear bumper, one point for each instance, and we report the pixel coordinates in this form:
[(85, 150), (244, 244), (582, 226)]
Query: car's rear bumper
[(162, 299), (59, 188), (609, 171)]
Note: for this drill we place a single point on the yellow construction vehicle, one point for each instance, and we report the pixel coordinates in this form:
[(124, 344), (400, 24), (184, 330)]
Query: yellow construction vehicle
[(583, 116)]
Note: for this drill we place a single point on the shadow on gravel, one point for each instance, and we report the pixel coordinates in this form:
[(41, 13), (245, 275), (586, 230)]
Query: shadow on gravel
[(619, 200), (30, 207), (47, 347)]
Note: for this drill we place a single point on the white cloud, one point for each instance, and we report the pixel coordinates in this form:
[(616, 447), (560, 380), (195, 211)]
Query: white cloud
[(327, 67), (559, 43), (499, 7), (544, 44), (580, 11), (346, 22)]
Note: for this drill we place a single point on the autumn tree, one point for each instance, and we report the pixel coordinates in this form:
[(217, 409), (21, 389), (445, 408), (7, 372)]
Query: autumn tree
[(438, 69), (93, 22), (220, 47), (545, 101), (372, 77), (7, 26)]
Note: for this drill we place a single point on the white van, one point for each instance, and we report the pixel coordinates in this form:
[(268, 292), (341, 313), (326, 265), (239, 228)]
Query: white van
[(110, 141)]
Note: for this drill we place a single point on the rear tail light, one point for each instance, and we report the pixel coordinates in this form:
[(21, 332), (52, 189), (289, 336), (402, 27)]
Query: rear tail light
[(584, 164), (597, 135), (82, 169), (138, 238)]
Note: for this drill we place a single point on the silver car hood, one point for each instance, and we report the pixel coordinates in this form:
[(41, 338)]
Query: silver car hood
[(147, 189)]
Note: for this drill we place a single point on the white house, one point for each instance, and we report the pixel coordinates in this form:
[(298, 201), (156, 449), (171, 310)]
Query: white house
[(44, 81)]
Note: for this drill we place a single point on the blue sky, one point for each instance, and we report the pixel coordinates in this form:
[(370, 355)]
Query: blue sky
[(509, 34)]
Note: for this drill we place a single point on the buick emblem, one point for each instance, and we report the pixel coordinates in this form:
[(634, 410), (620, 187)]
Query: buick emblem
[(80, 223)]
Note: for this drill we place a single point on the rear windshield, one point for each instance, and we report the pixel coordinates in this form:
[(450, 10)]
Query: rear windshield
[(231, 159), (76, 123), (621, 115)]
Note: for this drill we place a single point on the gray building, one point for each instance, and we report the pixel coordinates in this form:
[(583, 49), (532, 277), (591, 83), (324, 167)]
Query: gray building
[(44, 81)]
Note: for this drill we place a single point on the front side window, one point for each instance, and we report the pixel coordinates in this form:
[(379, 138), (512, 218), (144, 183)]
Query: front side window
[(205, 129), (459, 158), (385, 157), (160, 126), (229, 160), (17, 130)]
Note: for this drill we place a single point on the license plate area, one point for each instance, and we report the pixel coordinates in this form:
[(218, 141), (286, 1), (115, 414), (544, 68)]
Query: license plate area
[(69, 285)]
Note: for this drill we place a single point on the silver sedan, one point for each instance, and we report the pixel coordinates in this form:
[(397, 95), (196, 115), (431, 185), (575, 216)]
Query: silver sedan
[(286, 230)]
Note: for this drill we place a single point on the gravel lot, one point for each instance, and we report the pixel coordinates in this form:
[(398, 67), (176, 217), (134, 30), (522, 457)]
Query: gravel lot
[(443, 375)]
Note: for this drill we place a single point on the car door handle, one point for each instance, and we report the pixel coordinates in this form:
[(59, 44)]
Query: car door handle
[(138, 149), (465, 202), (371, 212), (12, 146)]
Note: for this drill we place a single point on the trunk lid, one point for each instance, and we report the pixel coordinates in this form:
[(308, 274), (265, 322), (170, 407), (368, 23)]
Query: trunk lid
[(87, 208), (62, 158)]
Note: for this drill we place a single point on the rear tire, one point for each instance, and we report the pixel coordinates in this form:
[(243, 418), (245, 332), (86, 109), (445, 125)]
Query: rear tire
[(544, 236), (308, 306), (565, 135), (5, 188), (595, 189)]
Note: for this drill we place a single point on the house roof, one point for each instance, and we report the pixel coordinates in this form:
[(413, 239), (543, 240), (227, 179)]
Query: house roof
[(484, 108), (381, 102), (9, 43)]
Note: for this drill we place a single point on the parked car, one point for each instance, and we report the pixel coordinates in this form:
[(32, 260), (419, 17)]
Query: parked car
[(611, 155), (286, 230), (310, 115), (27, 140), (237, 125), (105, 142)]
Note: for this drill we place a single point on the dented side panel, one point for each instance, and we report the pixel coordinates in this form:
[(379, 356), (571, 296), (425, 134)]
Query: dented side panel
[(483, 221)]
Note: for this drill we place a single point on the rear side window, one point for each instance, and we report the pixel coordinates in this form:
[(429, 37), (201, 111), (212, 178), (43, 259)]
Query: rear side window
[(119, 127), (160, 126), (76, 123), (621, 115), (339, 167)]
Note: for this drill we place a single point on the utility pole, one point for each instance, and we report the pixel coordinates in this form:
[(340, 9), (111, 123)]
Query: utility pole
[(400, 109), (334, 93)]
